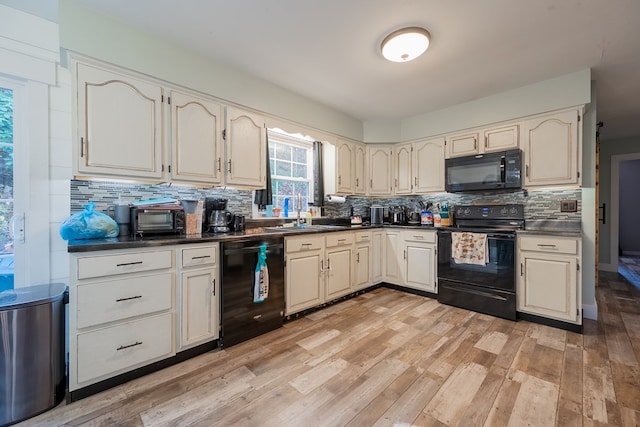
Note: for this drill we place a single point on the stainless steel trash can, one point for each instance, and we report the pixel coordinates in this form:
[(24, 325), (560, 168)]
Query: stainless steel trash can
[(32, 363)]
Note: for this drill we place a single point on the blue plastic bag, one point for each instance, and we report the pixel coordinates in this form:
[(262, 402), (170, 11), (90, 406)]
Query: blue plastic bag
[(88, 225)]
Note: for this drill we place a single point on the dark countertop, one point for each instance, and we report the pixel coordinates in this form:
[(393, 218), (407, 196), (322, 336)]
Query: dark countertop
[(129, 242), (553, 227)]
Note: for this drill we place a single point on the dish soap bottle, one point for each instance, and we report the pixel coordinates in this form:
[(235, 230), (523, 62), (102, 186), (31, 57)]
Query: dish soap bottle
[(285, 208), (309, 217)]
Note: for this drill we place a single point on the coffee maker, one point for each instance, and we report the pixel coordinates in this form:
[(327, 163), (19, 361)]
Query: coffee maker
[(216, 215)]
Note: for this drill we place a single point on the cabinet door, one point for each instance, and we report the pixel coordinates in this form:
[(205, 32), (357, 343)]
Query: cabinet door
[(362, 270), (403, 173), (501, 138), (246, 149), (428, 166), (196, 151), (462, 145), (345, 160), (360, 168), (420, 267), (304, 281), (551, 146), (338, 273), (380, 170), (119, 125), (377, 256), (200, 317), (394, 257), (547, 286)]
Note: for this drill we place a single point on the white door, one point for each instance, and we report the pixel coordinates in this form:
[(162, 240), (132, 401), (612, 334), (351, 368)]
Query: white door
[(404, 177), (199, 306), (246, 149), (24, 213), (428, 166), (7, 202)]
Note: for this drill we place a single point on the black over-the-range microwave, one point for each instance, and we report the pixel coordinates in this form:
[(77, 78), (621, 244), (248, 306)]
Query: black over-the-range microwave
[(491, 171)]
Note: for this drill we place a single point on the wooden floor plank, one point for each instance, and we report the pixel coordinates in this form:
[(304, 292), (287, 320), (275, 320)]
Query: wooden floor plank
[(396, 359)]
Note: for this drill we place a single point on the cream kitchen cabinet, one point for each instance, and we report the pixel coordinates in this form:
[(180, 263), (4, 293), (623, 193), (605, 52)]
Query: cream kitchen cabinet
[(246, 144), (552, 149), (121, 312), (119, 125), (394, 259), (338, 268), (427, 166), (380, 169), (549, 280), (419, 249), (345, 167), (378, 255), (419, 167), (198, 295), (196, 135), (403, 181), (304, 272), (505, 136), (362, 260), (360, 169), (345, 161), (330, 255)]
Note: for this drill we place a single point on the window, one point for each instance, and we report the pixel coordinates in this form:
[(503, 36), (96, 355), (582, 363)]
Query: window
[(291, 163), (6, 188)]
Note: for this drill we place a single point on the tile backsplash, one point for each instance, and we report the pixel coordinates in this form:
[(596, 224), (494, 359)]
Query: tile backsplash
[(539, 204)]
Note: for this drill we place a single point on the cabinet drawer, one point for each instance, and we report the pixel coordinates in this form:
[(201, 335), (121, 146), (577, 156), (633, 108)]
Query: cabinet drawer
[(206, 255), (549, 244), (363, 236), (339, 239), (419, 236), (107, 265), (115, 300), (114, 349), (306, 243)]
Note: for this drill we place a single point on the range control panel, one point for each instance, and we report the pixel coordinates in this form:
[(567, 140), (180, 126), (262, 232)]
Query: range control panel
[(514, 211)]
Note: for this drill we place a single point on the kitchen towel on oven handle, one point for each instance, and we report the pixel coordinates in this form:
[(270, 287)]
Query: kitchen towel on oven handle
[(469, 248)]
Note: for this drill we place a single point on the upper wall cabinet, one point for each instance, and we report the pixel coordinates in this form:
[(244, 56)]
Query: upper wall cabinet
[(196, 133), (484, 140), (246, 142), (345, 161), (428, 166), (360, 168), (403, 180), (119, 125), (552, 148), (380, 169)]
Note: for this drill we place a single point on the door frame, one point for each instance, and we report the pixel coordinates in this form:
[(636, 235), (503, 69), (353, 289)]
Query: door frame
[(614, 238)]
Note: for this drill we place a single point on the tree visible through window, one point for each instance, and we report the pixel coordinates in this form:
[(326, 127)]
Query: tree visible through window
[(6, 188), (291, 162)]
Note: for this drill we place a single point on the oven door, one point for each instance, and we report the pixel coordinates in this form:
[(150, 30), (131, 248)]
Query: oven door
[(497, 273)]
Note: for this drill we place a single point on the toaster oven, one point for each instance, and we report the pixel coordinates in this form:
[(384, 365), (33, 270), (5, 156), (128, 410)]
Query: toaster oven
[(157, 220)]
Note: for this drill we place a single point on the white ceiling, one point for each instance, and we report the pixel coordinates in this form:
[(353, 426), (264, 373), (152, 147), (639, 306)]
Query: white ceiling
[(328, 50)]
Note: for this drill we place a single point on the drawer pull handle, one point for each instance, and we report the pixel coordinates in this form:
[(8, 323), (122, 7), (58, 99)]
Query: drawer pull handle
[(129, 298), (257, 316), (122, 347), (546, 246), (201, 257), (128, 263)]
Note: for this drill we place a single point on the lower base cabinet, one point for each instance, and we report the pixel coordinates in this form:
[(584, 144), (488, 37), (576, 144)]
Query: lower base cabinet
[(198, 295), (549, 283), (303, 281)]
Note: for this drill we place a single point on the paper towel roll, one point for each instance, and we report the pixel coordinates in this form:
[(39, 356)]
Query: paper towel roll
[(335, 199)]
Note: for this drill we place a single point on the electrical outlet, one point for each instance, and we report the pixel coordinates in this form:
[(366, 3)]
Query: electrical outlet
[(568, 206)]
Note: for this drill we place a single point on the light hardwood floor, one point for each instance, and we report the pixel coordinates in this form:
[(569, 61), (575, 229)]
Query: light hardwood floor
[(390, 358)]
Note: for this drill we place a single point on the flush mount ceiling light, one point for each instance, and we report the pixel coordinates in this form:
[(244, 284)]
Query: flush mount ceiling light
[(405, 44)]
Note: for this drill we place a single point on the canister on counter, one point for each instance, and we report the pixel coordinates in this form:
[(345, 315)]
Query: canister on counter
[(426, 218)]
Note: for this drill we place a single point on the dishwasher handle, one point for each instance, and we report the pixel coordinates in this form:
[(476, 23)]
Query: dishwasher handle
[(254, 249)]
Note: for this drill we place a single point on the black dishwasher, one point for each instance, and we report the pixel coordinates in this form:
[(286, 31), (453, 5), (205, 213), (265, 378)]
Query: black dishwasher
[(242, 319)]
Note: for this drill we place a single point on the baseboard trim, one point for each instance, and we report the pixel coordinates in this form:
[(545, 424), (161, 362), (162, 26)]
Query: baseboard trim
[(630, 253), (590, 311), (607, 267)]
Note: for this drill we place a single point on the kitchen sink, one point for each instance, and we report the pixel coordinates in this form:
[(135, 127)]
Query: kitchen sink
[(313, 227)]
